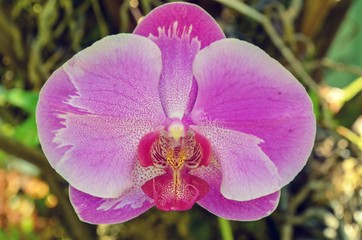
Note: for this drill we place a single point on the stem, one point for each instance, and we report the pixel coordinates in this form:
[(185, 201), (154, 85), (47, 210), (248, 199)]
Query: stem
[(225, 229), (352, 89), (350, 135), (341, 67)]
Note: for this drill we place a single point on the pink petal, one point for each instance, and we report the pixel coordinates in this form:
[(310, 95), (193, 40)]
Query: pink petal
[(179, 29), (91, 116), (105, 147), (118, 76), (241, 88), (217, 204), (130, 204), (247, 173), (53, 101), (203, 25), (97, 210), (178, 54)]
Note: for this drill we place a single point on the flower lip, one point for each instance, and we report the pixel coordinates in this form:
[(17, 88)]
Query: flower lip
[(177, 150)]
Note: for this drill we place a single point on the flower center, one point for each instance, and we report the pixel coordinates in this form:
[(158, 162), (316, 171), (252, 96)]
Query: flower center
[(177, 151)]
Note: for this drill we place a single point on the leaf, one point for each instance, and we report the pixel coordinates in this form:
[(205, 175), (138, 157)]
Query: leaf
[(346, 47), (25, 100), (26, 132)]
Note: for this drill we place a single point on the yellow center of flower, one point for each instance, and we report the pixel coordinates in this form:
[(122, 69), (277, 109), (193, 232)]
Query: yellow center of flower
[(176, 157)]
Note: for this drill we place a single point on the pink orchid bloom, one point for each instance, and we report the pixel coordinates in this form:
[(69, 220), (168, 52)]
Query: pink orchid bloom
[(172, 115)]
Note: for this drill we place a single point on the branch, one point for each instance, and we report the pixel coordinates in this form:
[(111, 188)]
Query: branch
[(19, 150), (338, 66)]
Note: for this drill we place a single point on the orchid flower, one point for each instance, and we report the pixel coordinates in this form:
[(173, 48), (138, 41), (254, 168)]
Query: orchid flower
[(172, 115)]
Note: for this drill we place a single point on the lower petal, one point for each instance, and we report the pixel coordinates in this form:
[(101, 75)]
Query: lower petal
[(217, 204), (97, 210), (250, 210), (132, 203)]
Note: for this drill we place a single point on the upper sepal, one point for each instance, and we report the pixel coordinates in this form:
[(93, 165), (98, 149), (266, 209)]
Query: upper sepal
[(187, 16)]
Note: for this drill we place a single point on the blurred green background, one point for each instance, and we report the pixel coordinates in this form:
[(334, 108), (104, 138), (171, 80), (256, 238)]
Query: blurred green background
[(319, 41)]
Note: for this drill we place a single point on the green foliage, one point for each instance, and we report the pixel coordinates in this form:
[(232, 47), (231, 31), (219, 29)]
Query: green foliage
[(345, 46), (14, 234), (26, 131)]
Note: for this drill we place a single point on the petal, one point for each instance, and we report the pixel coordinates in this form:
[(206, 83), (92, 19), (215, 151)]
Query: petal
[(179, 30), (241, 88), (178, 54), (203, 25), (116, 78), (217, 204), (105, 147), (52, 102), (97, 210), (247, 173), (130, 204)]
